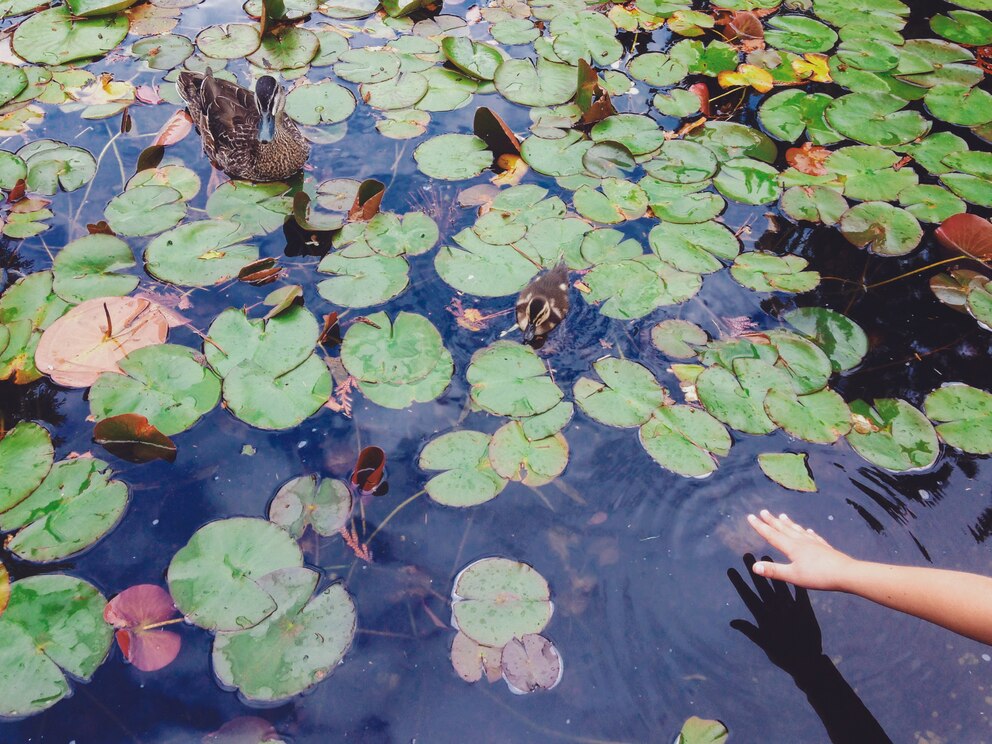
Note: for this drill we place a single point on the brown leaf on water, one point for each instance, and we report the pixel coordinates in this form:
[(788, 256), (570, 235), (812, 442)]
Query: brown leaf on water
[(174, 130), (471, 661), (330, 334), (367, 201), (968, 234), (132, 437), (99, 228), (491, 129), (531, 663), (260, 272), (95, 335), (17, 193), (808, 159)]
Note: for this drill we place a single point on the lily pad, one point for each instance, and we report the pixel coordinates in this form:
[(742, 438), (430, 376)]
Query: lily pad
[(626, 395), (302, 640), (301, 502), (496, 599), (639, 134), (876, 119), (285, 48), (476, 60), (167, 384), (960, 104), (767, 272), (737, 397), (814, 204), (54, 37), (362, 278), (26, 456), (216, 578), (678, 338), (228, 40), (787, 114), (509, 379), (468, 478), (52, 164), (883, 229), (482, 269), (199, 254), (145, 210), (325, 102), (685, 440), (841, 339), (818, 417), (541, 84), (453, 157), (788, 470), (694, 248), (963, 415), (43, 649), (534, 462), (893, 435), (258, 208), (75, 505)]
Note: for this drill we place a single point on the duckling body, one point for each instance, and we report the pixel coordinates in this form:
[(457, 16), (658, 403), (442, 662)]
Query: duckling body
[(543, 304), (247, 136)]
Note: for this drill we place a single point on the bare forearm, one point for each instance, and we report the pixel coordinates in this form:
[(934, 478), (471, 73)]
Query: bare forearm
[(958, 601)]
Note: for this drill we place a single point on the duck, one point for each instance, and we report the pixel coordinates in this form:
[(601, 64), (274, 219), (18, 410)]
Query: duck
[(543, 304), (245, 134)]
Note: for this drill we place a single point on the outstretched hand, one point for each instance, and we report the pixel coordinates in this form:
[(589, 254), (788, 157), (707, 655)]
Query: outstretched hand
[(815, 564)]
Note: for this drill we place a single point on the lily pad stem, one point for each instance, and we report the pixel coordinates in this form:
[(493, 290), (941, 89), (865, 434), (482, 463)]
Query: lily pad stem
[(393, 513)]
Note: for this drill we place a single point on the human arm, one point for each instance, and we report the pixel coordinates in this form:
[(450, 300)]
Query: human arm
[(958, 601)]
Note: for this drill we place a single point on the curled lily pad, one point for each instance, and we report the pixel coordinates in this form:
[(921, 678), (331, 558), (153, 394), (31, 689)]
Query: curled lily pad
[(509, 379), (54, 37), (893, 435), (215, 579), (533, 462), (453, 157), (303, 639), (963, 415), (471, 58), (685, 440), (496, 599), (626, 396), (166, 383), (788, 470), (881, 228), (75, 505), (199, 254), (42, 650), (468, 478)]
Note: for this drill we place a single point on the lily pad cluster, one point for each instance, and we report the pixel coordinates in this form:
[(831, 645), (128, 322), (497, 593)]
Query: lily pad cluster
[(244, 580), (499, 608)]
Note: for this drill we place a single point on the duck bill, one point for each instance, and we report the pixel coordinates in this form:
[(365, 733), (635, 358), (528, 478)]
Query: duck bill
[(267, 128), (529, 333)]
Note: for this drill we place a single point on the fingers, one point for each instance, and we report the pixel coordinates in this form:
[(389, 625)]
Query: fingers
[(751, 600), (770, 528), (775, 571), (748, 629)]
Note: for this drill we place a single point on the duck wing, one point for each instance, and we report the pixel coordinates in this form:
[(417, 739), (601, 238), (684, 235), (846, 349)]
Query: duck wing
[(229, 110)]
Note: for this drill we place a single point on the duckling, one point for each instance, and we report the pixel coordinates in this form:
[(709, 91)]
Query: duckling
[(543, 304), (247, 135)]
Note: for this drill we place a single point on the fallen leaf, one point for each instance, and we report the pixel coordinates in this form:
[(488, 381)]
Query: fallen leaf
[(133, 612), (174, 130), (747, 75), (369, 474), (968, 234), (132, 437), (808, 159), (530, 663)]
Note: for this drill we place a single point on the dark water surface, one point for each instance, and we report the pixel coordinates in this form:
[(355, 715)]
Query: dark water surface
[(642, 600)]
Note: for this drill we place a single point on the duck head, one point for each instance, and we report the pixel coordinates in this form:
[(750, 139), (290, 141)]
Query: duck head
[(270, 100)]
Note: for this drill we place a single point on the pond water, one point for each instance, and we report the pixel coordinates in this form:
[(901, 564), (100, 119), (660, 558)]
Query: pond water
[(636, 556)]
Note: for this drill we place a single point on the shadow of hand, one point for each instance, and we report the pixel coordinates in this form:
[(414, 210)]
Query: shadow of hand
[(784, 627)]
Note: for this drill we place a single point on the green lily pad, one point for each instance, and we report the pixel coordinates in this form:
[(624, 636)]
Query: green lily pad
[(588, 36), (960, 104), (737, 397), (556, 157), (883, 229), (453, 157), (657, 69), (54, 37), (876, 119), (199, 254), (13, 81), (701, 730), (931, 203), (179, 177), (325, 102), (788, 470), (677, 102), (633, 288), (963, 415), (841, 339), (694, 248), (75, 505), (893, 435), (626, 395), (216, 578), (285, 48), (447, 90), (26, 456), (52, 164), (787, 114), (258, 208), (165, 383), (541, 84), (303, 640), (546, 424), (869, 173), (534, 462), (228, 40), (799, 34), (367, 66), (468, 478), (476, 60), (12, 169), (145, 210), (53, 629), (307, 500), (729, 140), (272, 347), (495, 600), (677, 338), (361, 277), (482, 269), (26, 308), (767, 272), (685, 440), (163, 52), (818, 417), (509, 379), (681, 202), (85, 268), (681, 161), (638, 133), (963, 27), (814, 204), (282, 401)]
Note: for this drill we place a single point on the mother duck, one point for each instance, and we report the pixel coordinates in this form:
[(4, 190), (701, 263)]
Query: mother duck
[(247, 135)]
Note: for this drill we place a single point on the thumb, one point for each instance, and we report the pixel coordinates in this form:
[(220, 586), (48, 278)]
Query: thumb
[(775, 571)]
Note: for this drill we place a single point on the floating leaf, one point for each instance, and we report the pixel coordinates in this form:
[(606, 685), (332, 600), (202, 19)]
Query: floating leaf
[(132, 612), (788, 470), (304, 638), (767, 272), (736, 397), (95, 335), (677, 338), (361, 277), (968, 234), (471, 661), (131, 437), (52, 164), (469, 478), (215, 579), (324, 504), (963, 415), (26, 456), (843, 340), (876, 119), (228, 40), (75, 505), (818, 417), (472, 58), (883, 229), (685, 439), (960, 104), (41, 648), (199, 254), (325, 102), (509, 379), (531, 663), (145, 210), (532, 462), (627, 395), (496, 599), (54, 37), (702, 731), (167, 384), (453, 157), (893, 435), (258, 208), (543, 84), (747, 76)]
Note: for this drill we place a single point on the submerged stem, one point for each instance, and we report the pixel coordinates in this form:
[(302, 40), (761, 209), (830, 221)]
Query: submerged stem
[(924, 268), (392, 514)]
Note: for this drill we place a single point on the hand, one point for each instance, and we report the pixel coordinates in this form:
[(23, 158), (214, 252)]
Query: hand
[(815, 564), (784, 627)]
